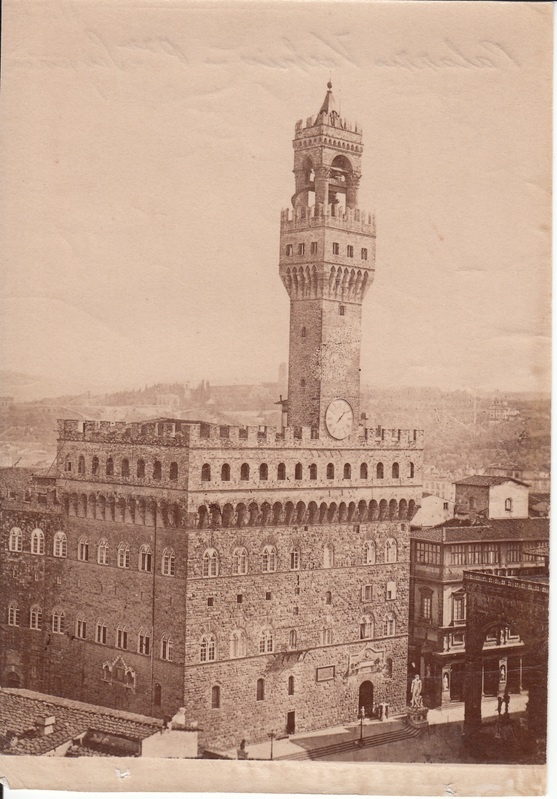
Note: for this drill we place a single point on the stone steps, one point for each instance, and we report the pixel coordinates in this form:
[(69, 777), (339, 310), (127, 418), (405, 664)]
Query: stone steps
[(345, 746)]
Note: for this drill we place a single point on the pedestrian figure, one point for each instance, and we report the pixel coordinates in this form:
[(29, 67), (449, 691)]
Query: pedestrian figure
[(386, 711), (506, 700), (499, 704)]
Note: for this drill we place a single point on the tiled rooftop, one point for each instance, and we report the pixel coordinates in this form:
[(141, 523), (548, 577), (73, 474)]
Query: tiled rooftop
[(486, 480), (492, 530)]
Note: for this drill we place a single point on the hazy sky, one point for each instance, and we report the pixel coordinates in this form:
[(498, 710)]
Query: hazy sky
[(146, 155)]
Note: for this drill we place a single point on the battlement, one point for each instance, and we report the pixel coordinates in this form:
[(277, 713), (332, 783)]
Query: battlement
[(355, 219), (314, 124), (197, 435)]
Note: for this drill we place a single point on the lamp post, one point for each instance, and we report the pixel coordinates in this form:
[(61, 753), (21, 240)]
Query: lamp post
[(272, 737), (361, 741)]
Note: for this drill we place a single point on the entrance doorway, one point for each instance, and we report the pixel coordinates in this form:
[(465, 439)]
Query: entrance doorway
[(13, 680), (365, 698), (291, 723)]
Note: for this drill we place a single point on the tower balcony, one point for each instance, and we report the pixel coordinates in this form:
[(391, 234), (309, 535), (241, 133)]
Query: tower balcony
[(352, 219)]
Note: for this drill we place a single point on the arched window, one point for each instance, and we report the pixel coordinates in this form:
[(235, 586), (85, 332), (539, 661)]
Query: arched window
[(83, 548), (102, 552), (369, 553), (35, 617), (292, 639), (109, 467), (390, 625), (225, 472), (157, 695), (95, 465), (81, 465), (379, 471), (269, 559), (215, 697), (390, 550), (328, 598), (395, 471), (238, 645), (168, 567), (15, 543), (206, 472), (58, 621), (266, 641), (244, 471), (313, 471), (101, 632), (326, 636), (157, 470), (80, 627), (123, 555), (125, 468), (366, 628), (60, 547), (37, 542), (298, 471), (330, 471), (240, 561), (141, 468), (145, 558), (143, 643), (260, 690), (210, 563), (347, 473), (263, 471), (107, 673), (295, 559), (410, 470), (167, 647), (508, 504), (363, 471), (281, 472), (122, 638), (291, 686), (173, 471), (328, 556), (208, 648), (13, 614)]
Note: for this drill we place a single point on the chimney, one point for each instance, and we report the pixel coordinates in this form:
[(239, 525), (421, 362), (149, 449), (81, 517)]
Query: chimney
[(45, 725)]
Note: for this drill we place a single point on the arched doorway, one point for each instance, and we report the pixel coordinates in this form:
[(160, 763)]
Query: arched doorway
[(365, 698), (13, 680)]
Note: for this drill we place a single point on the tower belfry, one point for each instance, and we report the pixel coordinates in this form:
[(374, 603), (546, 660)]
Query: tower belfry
[(327, 260)]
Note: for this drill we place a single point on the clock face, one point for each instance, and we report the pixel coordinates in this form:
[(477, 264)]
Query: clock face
[(339, 418)]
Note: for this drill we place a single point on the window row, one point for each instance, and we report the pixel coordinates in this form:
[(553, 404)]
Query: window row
[(312, 471), (313, 249), (269, 561), (259, 691), (122, 468)]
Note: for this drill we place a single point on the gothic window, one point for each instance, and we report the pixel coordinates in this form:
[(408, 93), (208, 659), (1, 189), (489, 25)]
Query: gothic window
[(13, 614), (336, 248), (35, 617), (295, 559), (215, 697), (173, 471), (313, 471), (109, 467), (347, 473), (298, 471), (326, 636), (225, 472), (395, 471), (391, 590), (369, 553), (390, 625), (240, 560), (238, 645), (125, 468), (145, 558), (291, 686), (266, 641), (263, 471), (168, 567), (123, 555), (244, 471), (141, 468), (260, 690), (15, 543), (83, 549), (60, 547), (107, 673), (166, 648), (390, 550), (366, 628), (410, 470), (328, 556), (281, 472), (37, 542), (100, 632), (330, 471), (206, 472), (58, 621), (269, 559), (210, 563), (363, 471), (208, 648), (350, 251), (157, 470), (95, 465), (122, 638), (363, 254), (144, 643), (81, 465), (102, 552), (379, 471), (80, 628)]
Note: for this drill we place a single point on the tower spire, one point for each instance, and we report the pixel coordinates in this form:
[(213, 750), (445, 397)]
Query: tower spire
[(328, 106)]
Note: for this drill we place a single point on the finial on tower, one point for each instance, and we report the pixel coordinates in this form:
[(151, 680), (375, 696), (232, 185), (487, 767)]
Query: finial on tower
[(328, 106)]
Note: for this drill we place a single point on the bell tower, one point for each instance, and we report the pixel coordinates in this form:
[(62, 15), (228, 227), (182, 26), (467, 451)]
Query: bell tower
[(327, 262)]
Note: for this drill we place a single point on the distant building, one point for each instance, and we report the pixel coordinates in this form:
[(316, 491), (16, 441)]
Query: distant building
[(168, 400), (433, 511), (439, 484), (539, 480), (491, 497), (500, 411)]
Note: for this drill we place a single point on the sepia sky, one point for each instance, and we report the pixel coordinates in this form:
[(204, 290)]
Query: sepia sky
[(146, 155)]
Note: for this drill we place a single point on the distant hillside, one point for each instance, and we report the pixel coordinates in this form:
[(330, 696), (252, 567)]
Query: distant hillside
[(28, 388)]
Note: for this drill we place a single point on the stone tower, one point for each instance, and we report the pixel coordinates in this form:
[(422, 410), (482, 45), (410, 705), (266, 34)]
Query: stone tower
[(327, 259)]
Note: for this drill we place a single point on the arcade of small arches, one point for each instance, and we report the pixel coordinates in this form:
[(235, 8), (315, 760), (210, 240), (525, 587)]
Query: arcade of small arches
[(110, 468), (301, 143), (304, 281)]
